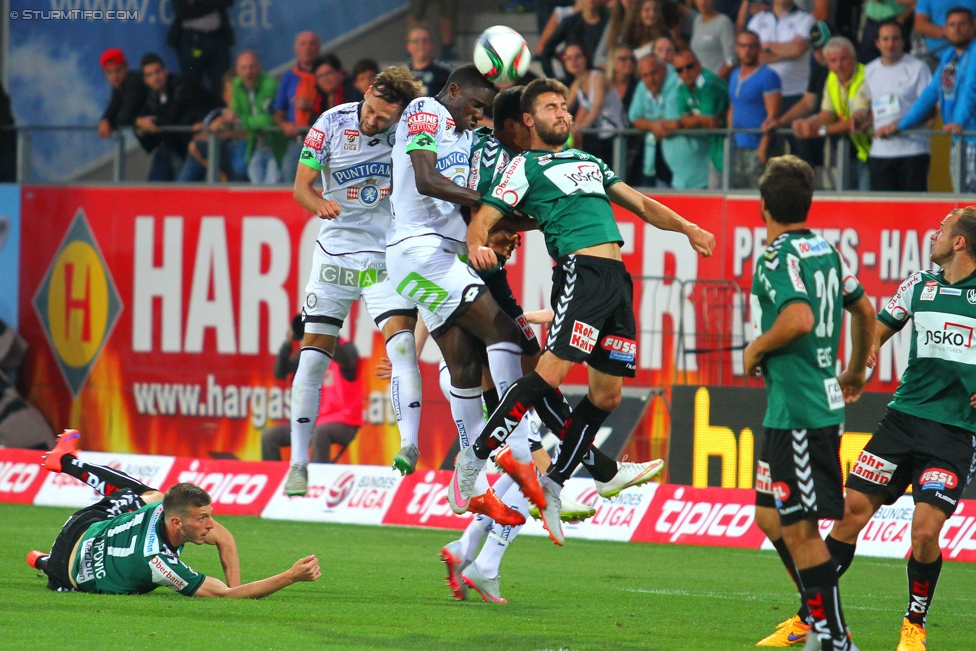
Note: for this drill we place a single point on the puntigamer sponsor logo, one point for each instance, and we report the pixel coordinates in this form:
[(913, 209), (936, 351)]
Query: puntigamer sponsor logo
[(453, 159), (362, 171)]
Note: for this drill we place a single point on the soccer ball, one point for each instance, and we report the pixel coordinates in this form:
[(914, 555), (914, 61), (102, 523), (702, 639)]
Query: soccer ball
[(501, 55)]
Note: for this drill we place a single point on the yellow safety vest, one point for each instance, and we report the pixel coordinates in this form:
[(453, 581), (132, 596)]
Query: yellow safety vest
[(842, 106)]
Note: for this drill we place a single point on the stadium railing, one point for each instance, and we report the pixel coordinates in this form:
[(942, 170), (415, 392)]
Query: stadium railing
[(623, 139)]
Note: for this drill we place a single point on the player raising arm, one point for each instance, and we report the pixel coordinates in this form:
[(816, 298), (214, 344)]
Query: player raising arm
[(350, 149), (569, 193)]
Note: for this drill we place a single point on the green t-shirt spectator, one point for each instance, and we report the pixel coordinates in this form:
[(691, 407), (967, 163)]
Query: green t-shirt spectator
[(709, 96)]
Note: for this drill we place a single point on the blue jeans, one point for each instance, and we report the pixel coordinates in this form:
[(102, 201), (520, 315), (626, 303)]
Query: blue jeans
[(263, 168), (192, 171), (289, 163), (232, 162)]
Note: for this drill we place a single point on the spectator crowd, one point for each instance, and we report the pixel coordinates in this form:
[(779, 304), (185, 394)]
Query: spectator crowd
[(774, 71)]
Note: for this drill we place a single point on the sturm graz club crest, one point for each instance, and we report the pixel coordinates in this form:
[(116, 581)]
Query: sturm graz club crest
[(369, 195)]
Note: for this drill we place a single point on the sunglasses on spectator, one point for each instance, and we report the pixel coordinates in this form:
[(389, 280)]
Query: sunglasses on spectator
[(690, 66)]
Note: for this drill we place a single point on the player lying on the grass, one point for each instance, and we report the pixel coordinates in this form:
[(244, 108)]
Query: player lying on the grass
[(569, 193), (130, 541), (350, 150), (926, 438)]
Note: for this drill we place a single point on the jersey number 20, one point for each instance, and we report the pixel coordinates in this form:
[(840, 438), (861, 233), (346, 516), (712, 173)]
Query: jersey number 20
[(827, 290)]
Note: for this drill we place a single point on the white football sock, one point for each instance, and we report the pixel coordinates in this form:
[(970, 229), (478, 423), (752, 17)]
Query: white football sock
[(502, 485), (505, 363), (405, 385), (475, 534), (500, 537), (518, 441), (306, 391), (468, 413)]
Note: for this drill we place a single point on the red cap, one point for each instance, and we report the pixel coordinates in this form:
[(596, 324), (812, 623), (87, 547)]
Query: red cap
[(112, 57)]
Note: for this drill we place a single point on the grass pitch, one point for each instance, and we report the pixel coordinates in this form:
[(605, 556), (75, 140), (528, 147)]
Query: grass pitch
[(383, 588)]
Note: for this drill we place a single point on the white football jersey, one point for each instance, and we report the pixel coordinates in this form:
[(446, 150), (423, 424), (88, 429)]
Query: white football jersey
[(427, 124), (356, 173)]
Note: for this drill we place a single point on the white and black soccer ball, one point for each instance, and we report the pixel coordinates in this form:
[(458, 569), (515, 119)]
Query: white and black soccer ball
[(501, 55)]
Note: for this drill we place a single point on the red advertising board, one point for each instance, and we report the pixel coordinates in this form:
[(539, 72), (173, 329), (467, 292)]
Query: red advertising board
[(421, 501), (236, 487), (723, 517), (21, 475), (154, 314)]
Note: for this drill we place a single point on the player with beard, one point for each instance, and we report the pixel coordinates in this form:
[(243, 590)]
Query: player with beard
[(569, 194), (926, 438), (350, 149), (426, 258), (490, 155)]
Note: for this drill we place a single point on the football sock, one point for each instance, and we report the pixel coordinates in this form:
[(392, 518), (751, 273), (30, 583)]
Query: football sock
[(405, 384), (490, 398), (524, 394), (519, 441), (500, 536), (922, 579), (103, 479), (469, 415), (841, 552), (505, 364), (502, 485), (475, 534), (784, 555), (580, 432), (601, 467), (823, 600), (554, 412), (306, 392)]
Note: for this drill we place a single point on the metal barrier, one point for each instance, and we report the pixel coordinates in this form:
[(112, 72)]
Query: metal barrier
[(838, 148), (622, 139), (710, 333)]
